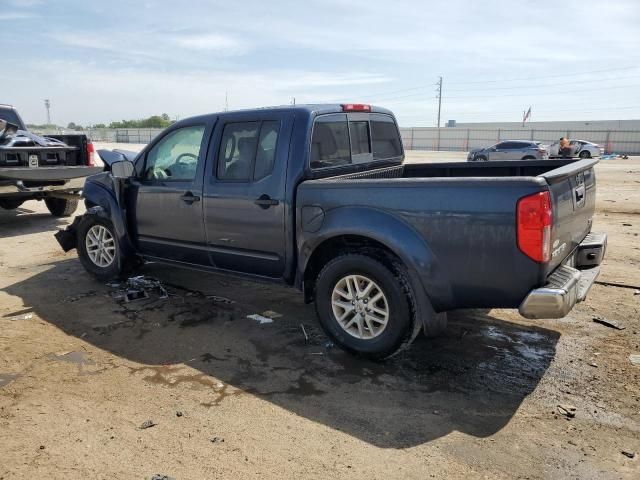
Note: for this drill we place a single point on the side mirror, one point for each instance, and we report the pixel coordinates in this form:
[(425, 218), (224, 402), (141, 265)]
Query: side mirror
[(122, 169), (492, 149)]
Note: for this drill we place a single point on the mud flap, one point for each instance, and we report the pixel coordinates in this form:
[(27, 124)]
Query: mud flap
[(68, 238)]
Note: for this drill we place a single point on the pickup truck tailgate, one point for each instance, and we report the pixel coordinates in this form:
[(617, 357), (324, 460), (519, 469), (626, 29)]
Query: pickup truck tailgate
[(573, 195)]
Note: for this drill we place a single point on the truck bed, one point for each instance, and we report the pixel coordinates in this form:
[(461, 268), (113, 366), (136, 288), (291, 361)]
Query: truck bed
[(466, 212)]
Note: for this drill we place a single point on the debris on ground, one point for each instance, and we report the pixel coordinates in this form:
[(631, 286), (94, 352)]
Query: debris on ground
[(75, 298), (306, 337), (178, 413), (627, 225), (568, 411), (24, 316), (218, 299), (137, 288), (608, 323), (147, 424), (628, 454), (271, 314), (636, 292), (634, 358), (159, 476), (217, 440), (260, 319)]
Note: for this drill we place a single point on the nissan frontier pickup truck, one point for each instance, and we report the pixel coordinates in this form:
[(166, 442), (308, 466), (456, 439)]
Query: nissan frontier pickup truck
[(318, 197)]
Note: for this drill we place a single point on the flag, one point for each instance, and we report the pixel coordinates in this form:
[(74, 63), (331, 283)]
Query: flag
[(527, 115)]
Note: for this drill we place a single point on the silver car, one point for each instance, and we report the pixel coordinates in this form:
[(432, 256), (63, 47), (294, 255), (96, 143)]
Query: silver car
[(509, 150), (579, 148)]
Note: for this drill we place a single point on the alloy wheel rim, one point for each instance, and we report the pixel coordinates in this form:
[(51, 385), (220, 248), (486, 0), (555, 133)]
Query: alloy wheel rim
[(101, 246), (360, 306)]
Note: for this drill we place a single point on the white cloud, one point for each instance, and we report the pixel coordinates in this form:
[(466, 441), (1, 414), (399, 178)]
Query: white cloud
[(209, 41), (15, 16)]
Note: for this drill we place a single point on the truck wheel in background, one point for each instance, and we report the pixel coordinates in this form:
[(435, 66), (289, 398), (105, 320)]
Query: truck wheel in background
[(61, 207), (98, 247), (481, 158), (365, 306), (10, 203), (585, 154)]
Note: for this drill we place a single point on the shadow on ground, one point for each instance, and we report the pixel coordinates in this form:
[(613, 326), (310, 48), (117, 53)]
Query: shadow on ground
[(24, 221), (472, 380)]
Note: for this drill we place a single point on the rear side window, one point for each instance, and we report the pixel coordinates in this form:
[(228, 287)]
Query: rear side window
[(247, 150), (330, 142), (338, 141)]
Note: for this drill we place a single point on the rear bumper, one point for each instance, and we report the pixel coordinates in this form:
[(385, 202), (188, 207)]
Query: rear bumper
[(27, 181), (567, 285)]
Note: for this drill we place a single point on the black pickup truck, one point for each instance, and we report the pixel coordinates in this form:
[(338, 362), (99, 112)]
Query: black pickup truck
[(318, 197), (51, 168)]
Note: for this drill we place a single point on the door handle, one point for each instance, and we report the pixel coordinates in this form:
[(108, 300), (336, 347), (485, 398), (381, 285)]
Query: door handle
[(189, 198), (265, 201)]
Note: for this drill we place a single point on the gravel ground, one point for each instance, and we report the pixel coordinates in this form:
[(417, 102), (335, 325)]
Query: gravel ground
[(81, 372)]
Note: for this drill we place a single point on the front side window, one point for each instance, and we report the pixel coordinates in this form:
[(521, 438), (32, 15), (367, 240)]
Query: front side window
[(175, 157)]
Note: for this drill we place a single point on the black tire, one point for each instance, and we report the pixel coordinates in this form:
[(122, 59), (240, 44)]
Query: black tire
[(529, 157), (10, 203), (481, 158), (61, 207), (585, 154), (103, 273), (392, 280)]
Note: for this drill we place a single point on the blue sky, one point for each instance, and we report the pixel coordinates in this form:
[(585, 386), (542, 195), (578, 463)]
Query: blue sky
[(100, 61)]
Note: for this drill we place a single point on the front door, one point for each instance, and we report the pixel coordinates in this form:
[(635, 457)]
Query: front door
[(244, 193), (168, 191)]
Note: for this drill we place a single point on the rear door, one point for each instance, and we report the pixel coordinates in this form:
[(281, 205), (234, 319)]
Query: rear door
[(168, 195), (244, 193)]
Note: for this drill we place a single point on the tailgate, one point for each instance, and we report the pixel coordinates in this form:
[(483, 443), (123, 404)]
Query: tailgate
[(573, 195)]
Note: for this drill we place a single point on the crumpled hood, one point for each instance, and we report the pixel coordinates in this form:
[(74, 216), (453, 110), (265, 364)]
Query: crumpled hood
[(11, 137)]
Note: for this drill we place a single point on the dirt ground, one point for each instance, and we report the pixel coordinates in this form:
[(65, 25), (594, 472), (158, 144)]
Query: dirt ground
[(81, 371)]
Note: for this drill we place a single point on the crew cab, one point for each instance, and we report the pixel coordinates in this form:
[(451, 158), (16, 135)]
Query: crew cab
[(318, 197), (51, 168)]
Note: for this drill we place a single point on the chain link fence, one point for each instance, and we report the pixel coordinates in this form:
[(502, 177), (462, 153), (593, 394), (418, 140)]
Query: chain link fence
[(464, 139)]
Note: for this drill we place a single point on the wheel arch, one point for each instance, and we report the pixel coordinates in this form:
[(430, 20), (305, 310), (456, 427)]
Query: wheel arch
[(367, 230)]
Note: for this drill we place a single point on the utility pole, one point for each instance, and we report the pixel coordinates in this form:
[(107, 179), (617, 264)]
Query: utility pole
[(226, 101), (47, 105), (439, 96), (293, 101)]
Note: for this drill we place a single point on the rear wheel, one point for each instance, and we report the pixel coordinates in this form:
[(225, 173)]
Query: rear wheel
[(364, 305), (98, 247), (585, 154), (10, 203), (529, 157), (61, 207)]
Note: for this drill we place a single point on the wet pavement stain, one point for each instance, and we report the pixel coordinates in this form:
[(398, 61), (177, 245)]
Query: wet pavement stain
[(7, 378), (77, 358)]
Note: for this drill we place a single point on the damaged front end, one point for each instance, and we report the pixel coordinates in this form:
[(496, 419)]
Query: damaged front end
[(68, 238)]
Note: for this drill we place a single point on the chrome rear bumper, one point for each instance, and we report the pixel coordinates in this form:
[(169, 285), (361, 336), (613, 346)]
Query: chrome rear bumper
[(567, 286)]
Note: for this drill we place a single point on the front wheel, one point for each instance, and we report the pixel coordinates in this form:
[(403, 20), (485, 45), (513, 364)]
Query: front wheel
[(61, 207), (98, 247), (364, 306), (481, 158)]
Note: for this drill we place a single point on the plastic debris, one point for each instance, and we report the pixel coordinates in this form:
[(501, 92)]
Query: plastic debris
[(608, 323), (137, 288), (217, 440), (147, 424), (568, 411), (306, 337), (272, 314), (260, 319), (628, 454), (634, 358), (218, 299), (24, 316), (159, 476)]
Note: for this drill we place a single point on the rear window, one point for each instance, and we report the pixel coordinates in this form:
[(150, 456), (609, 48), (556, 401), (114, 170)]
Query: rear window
[(338, 141)]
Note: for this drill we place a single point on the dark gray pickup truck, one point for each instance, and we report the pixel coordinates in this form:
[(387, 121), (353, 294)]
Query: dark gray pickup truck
[(318, 197), (51, 168)]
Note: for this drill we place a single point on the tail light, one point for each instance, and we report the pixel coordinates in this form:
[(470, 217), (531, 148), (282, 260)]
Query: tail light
[(355, 107), (534, 219), (91, 153)]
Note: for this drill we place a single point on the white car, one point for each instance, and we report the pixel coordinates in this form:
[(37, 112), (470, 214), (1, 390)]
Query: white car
[(579, 148)]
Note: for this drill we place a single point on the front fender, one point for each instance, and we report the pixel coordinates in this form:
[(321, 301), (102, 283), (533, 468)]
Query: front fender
[(429, 279), (104, 204)]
